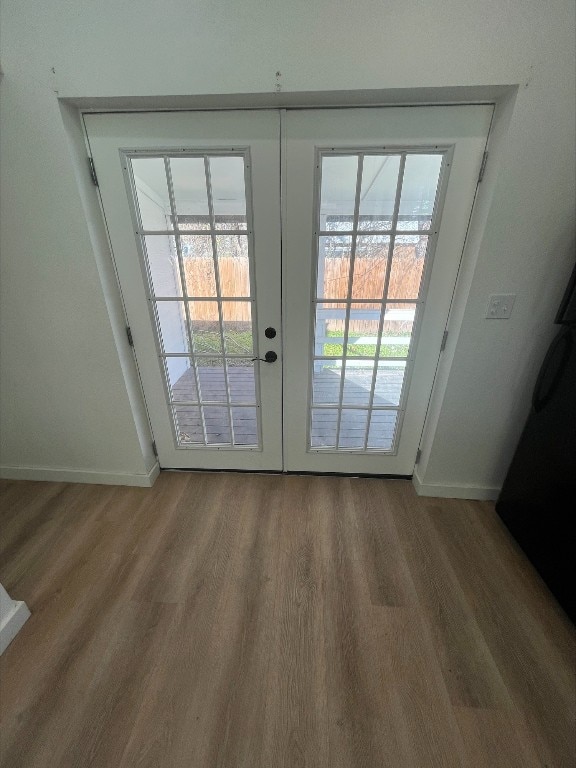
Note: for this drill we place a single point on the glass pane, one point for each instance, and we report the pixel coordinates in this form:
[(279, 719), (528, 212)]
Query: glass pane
[(333, 266), (323, 429), (241, 380), (172, 326), (238, 331), (198, 265), (419, 185), (397, 330), (389, 380), (413, 223), (181, 379), (363, 330), (237, 312), (233, 265), (352, 428), (189, 186), (245, 425), (162, 261), (205, 327), (152, 193), (329, 330), (212, 379), (228, 192), (385, 288), (326, 381), (378, 195), (407, 266), (193, 223), (382, 428), (230, 223), (188, 423), (338, 193), (370, 266), (358, 382), (217, 421)]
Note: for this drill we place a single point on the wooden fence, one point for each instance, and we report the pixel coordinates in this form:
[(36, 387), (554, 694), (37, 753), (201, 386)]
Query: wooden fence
[(368, 282)]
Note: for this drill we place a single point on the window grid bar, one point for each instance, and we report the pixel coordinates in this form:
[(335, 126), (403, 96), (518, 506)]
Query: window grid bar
[(357, 451), (365, 357), (212, 402), (177, 152), (399, 185), (187, 297), (212, 355), (349, 292), (377, 302), (328, 300), (218, 291), (168, 173), (193, 232), (332, 406), (322, 233), (362, 232)]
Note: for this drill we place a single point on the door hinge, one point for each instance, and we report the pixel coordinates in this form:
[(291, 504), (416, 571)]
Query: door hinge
[(443, 344), (93, 172), (129, 335), (154, 449), (418, 455), (483, 167)]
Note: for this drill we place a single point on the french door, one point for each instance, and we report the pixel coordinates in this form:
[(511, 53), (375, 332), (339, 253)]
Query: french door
[(287, 278)]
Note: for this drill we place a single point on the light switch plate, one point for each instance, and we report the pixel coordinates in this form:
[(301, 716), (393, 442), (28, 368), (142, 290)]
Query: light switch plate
[(500, 306)]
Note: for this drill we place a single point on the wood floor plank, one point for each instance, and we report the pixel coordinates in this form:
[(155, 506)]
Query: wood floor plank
[(523, 646), (384, 561), (366, 718), (296, 708), (496, 739), (469, 672), (246, 621), (68, 614)]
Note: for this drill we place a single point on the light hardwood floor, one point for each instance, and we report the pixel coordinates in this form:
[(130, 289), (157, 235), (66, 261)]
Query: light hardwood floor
[(243, 621)]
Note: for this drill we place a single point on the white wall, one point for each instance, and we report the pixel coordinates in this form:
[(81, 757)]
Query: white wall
[(64, 386)]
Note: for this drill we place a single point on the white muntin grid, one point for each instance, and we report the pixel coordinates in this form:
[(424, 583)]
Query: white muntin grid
[(185, 300), (382, 303)]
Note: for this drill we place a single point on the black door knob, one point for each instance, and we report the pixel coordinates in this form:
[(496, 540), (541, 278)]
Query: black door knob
[(270, 333), (269, 357)]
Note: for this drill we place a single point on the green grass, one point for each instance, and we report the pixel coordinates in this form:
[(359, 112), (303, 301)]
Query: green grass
[(237, 342), (365, 350), (240, 343)]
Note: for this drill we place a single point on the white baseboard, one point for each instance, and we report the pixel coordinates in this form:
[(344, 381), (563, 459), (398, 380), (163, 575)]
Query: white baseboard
[(13, 623), (476, 492), (63, 475)]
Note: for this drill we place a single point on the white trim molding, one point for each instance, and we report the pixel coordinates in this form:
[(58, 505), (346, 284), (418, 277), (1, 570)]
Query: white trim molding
[(65, 475), (476, 492), (13, 616)]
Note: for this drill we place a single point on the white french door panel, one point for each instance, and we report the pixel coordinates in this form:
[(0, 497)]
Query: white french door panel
[(192, 207), (377, 203), (375, 211)]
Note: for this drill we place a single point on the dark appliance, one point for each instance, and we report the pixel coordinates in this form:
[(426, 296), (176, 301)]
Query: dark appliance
[(538, 499)]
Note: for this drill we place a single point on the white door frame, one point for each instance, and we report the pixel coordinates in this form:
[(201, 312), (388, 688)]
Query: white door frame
[(460, 289)]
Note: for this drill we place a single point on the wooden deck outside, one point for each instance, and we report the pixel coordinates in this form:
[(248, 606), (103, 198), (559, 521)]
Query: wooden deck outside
[(326, 387)]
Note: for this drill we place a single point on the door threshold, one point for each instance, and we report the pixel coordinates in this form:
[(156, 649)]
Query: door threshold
[(288, 473)]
